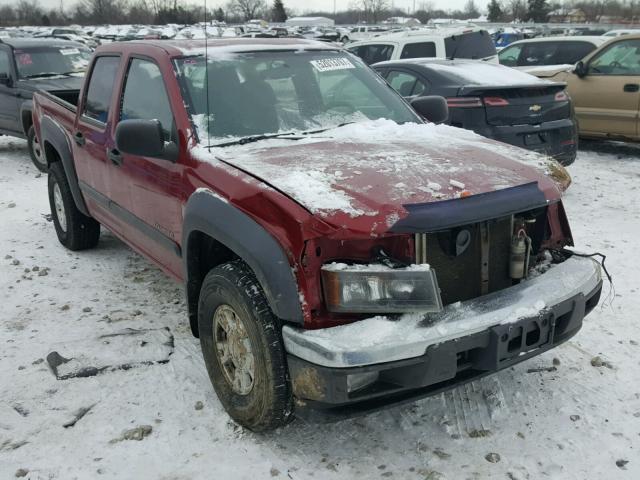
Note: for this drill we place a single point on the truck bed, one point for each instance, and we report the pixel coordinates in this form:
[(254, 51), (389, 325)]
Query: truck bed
[(60, 105)]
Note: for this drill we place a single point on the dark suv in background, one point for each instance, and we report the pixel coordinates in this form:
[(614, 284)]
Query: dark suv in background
[(28, 65)]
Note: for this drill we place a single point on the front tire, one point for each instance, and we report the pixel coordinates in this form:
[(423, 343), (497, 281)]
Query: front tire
[(35, 151), (243, 349), (75, 230)]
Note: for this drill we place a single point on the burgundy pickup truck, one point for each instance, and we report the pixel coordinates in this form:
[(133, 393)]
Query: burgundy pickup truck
[(338, 253)]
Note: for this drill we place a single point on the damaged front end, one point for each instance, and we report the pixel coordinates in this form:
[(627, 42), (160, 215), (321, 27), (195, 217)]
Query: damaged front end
[(460, 288)]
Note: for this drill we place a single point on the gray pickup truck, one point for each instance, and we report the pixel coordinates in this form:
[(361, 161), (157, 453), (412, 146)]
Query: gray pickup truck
[(29, 65)]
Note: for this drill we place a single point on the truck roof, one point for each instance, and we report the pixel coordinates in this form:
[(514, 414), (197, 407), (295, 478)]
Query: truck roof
[(193, 47)]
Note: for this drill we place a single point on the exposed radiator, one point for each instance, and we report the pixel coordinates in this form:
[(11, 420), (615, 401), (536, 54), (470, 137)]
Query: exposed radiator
[(468, 273)]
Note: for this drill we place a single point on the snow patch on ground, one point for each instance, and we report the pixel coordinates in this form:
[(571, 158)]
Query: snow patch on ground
[(555, 416)]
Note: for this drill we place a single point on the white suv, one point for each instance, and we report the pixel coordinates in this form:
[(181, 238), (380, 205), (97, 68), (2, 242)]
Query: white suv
[(469, 43)]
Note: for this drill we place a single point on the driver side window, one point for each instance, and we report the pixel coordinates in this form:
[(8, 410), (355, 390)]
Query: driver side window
[(509, 56), (145, 97), (621, 58)]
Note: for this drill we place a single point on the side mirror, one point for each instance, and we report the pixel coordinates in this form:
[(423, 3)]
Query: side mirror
[(432, 107), (144, 138), (5, 79), (581, 69)]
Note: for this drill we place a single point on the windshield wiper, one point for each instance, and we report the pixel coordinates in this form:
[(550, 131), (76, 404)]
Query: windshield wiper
[(47, 74), (284, 136), (255, 138)]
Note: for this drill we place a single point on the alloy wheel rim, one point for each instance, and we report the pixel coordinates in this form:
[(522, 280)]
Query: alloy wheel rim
[(59, 207), (233, 349), (37, 151)]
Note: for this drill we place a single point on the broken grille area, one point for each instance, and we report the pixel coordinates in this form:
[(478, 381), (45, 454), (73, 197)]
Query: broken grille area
[(470, 260)]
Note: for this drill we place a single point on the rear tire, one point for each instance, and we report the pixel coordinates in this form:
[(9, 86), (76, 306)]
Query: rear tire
[(35, 151), (243, 349), (75, 230)]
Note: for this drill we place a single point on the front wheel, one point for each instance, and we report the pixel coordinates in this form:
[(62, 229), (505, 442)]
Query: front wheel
[(75, 230), (35, 150), (243, 349)]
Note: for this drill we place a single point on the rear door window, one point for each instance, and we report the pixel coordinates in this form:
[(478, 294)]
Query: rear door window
[(103, 77), (572, 52), (419, 50), (553, 53), (541, 53), (474, 45), (406, 84), (373, 53)]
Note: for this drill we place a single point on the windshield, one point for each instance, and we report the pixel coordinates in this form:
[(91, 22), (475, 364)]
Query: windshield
[(49, 61), (271, 92)]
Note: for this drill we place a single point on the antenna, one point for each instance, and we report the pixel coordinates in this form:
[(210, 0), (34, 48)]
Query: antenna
[(206, 72)]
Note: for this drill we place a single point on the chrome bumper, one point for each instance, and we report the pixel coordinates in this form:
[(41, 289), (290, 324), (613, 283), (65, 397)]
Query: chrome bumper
[(379, 339)]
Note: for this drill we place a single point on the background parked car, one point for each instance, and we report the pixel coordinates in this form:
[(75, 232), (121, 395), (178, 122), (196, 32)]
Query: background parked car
[(537, 52), (605, 88), (28, 65), (621, 32), (473, 43), (492, 100)]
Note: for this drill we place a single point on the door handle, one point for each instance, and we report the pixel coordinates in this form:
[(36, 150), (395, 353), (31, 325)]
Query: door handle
[(631, 87), (79, 138), (115, 156)]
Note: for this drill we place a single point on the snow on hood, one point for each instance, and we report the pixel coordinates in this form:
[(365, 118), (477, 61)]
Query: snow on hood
[(373, 168)]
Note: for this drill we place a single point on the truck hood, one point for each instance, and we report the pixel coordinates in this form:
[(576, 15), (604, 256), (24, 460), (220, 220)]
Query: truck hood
[(363, 176)]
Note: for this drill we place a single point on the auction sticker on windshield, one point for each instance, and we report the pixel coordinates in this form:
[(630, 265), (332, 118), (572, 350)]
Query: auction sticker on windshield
[(69, 51), (331, 64)]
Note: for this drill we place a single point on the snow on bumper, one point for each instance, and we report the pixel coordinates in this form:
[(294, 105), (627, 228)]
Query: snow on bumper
[(380, 339)]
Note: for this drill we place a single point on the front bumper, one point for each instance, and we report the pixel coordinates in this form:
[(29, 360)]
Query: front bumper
[(419, 355)]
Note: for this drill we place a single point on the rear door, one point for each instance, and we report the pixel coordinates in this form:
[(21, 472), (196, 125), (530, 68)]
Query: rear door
[(91, 139), (8, 99), (607, 98), (148, 190)]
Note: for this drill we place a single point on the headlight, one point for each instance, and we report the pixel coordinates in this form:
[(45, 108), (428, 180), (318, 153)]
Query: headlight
[(377, 288)]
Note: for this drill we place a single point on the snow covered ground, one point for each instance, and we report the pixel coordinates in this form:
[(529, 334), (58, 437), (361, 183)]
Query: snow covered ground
[(556, 416)]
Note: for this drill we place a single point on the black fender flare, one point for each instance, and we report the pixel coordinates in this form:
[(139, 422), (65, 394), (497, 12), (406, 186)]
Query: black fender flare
[(26, 110), (51, 133), (212, 215)]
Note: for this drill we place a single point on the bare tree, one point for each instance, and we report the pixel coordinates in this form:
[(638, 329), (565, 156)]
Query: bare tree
[(28, 12), (374, 9), (248, 9), (7, 15), (518, 9), (106, 11)]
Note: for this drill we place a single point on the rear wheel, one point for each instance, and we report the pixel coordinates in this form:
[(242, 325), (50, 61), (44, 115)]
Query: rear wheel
[(35, 150), (75, 230), (243, 349)]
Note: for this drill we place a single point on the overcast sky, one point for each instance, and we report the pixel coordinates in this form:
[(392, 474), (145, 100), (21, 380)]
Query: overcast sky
[(305, 5)]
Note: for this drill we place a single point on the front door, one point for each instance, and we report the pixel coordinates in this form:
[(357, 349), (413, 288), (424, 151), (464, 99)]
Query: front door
[(607, 98), (149, 189), (8, 99)]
